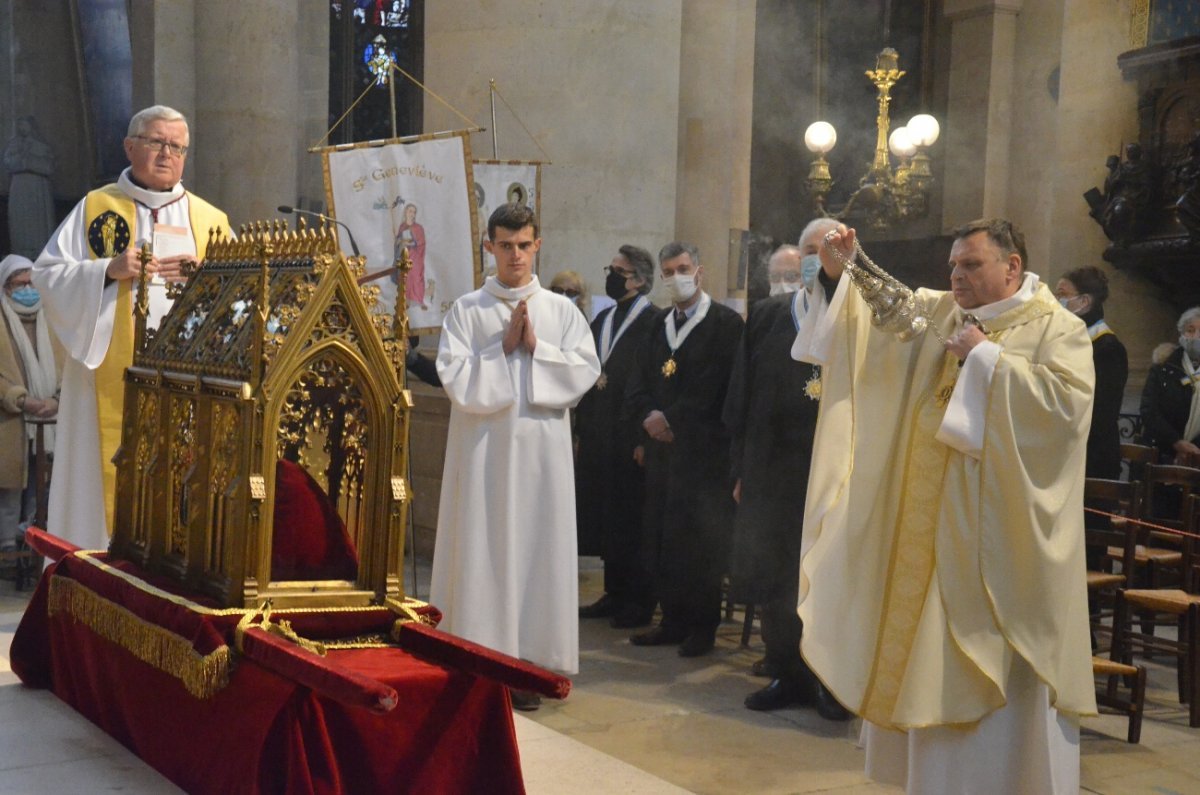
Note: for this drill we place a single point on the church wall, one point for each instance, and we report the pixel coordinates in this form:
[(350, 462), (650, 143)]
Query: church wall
[(251, 124), (1097, 112), (38, 51), (597, 83), (716, 92)]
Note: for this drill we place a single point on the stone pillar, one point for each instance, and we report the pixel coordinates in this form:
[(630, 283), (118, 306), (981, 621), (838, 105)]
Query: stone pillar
[(979, 111), (716, 92), (252, 79), (597, 85), (1097, 113)]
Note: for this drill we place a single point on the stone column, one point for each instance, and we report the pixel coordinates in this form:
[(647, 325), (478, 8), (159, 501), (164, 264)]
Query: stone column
[(252, 79), (716, 92), (979, 111)]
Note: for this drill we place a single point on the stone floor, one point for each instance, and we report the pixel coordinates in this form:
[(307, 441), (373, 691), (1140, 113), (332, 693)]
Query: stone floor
[(638, 721)]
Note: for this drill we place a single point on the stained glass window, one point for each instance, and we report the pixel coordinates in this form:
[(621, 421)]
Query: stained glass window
[(363, 42)]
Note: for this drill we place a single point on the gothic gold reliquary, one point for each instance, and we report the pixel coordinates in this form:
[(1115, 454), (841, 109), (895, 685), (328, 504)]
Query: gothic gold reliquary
[(265, 438)]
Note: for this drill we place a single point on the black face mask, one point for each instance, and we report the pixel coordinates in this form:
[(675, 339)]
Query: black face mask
[(614, 286)]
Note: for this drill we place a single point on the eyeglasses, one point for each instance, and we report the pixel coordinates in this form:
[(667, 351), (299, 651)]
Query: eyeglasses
[(157, 145), (791, 277), (569, 292), (619, 272)]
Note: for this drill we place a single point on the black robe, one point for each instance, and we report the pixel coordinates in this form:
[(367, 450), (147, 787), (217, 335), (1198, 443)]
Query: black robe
[(1112, 370), (688, 520), (609, 485), (772, 421), (1166, 403)]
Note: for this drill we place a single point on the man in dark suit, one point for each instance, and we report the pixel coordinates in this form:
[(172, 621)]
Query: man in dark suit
[(609, 483), (676, 392), (771, 411)]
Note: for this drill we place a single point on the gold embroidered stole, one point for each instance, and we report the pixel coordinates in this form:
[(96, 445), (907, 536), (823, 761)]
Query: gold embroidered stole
[(110, 375), (910, 569), (912, 563)]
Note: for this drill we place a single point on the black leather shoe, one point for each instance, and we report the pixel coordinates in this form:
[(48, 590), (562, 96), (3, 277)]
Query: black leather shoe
[(659, 636), (524, 700), (603, 607), (697, 643), (632, 616), (828, 706), (777, 695)]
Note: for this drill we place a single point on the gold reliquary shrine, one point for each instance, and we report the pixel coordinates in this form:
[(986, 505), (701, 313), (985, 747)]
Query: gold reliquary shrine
[(265, 441)]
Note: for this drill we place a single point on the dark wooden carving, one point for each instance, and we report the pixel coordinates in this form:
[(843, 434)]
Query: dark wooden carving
[(1150, 204)]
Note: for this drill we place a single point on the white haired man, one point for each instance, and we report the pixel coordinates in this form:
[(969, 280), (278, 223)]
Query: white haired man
[(87, 275)]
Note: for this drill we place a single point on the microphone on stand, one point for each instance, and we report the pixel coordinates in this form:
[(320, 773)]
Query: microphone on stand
[(286, 210)]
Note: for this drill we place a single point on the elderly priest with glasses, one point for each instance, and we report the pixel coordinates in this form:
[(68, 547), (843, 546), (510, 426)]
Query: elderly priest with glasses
[(87, 276)]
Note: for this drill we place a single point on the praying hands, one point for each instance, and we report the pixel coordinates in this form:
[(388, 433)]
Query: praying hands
[(520, 330)]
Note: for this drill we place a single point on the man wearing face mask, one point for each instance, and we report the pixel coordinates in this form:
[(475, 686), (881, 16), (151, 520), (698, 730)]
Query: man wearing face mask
[(784, 271), (609, 483), (30, 378), (1083, 292), (676, 393), (771, 411)]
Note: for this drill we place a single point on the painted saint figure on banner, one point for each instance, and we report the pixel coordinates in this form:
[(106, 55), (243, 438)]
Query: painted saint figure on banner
[(411, 235)]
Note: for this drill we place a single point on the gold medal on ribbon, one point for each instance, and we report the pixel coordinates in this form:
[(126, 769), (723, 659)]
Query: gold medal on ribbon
[(669, 367), (602, 381), (812, 387)]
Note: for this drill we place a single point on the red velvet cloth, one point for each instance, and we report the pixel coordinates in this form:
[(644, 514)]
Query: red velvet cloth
[(450, 650), (309, 540), (46, 545), (265, 732)]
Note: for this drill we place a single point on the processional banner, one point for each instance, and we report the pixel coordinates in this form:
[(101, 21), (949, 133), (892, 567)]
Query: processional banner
[(415, 194), (502, 182)]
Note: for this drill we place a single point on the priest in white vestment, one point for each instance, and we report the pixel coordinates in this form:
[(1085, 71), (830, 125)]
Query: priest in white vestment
[(513, 358), (87, 276), (942, 580)]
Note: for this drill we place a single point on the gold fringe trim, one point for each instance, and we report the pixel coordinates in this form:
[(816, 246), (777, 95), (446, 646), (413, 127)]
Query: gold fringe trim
[(203, 676)]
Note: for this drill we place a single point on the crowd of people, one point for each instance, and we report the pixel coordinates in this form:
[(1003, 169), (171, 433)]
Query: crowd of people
[(920, 499)]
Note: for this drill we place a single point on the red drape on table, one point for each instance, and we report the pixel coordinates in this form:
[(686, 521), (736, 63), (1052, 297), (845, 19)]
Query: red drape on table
[(264, 732)]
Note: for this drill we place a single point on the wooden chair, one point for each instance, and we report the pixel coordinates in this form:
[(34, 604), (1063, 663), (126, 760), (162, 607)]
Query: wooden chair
[(1135, 457), (1109, 695), (1111, 539), (1181, 605), (748, 616), (1165, 489)]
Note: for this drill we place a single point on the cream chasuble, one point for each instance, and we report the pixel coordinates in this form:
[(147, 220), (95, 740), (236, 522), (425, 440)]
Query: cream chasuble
[(943, 532), (94, 323), (505, 571)]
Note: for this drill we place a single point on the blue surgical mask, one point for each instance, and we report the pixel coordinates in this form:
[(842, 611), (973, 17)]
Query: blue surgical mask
[(1191, 346), (810, 266), (26, 295)]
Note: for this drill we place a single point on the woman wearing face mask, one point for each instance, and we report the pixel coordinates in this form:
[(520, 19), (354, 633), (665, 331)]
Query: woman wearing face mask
[(1171, 401), (1083, 292), (30, 378)]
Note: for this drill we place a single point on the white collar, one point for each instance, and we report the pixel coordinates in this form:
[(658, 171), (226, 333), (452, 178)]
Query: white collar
[(150, 198), (497, 288), (986, 312)]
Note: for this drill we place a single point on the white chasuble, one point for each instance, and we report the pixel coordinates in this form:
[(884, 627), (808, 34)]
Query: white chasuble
[(943, 535), (82, 311), (504, 565)]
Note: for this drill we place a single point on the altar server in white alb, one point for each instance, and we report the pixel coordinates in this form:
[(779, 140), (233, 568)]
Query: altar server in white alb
[(87, 276), (942, 578), (514, 358)]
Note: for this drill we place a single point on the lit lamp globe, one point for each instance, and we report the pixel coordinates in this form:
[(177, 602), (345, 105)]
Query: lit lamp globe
[(820, 137), (923, 130), (901, 143)]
